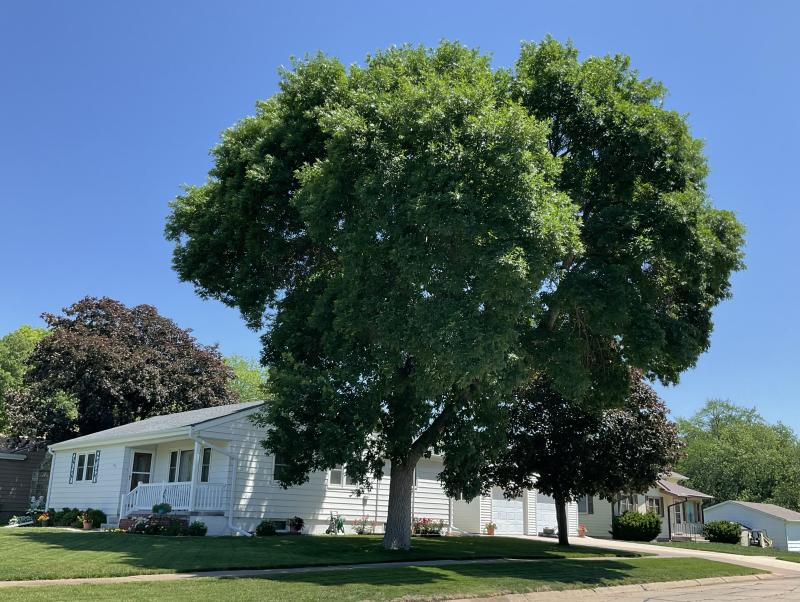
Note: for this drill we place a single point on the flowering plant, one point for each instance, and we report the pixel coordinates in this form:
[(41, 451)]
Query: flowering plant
[(43, 517), (427, 526), (364, 525), (84, 517)]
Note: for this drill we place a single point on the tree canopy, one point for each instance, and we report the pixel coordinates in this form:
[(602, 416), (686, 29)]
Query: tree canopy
[(118, 364), (567, 450), (15, 348), (422, 231), (732, 453), (249, 382)]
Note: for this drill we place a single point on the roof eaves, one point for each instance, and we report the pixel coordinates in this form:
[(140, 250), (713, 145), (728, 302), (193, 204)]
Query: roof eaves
[(138, 438)]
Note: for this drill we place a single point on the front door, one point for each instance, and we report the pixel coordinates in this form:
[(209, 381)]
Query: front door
[(141, 468)]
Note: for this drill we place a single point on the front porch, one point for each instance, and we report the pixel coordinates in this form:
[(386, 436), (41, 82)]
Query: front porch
[(203, 497), (189, 475)]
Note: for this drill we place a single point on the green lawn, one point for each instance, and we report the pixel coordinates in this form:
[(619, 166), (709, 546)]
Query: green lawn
[(34, 553), (728, 548), (418, 583)]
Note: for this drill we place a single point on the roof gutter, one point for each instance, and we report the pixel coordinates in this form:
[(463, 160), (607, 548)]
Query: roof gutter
[(234, 468), (185, 431)]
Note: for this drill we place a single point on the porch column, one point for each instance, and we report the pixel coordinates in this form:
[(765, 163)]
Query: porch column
[(196, 462)]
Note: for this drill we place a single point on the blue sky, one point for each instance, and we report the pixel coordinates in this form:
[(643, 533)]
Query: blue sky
[(107, 108)]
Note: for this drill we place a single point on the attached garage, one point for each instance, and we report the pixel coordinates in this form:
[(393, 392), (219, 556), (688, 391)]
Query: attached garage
[(526, 515), (780, 524), (507, 514), (545, 513)]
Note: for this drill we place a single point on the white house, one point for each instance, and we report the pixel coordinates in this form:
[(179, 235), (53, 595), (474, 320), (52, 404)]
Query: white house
[(781, 525), (680, 509), (209, 464)]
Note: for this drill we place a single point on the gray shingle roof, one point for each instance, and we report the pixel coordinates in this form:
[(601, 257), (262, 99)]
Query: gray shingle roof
[(771, 509), (681, 491), (158, 424)]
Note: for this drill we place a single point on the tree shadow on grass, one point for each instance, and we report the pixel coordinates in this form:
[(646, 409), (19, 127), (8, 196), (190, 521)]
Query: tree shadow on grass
[(498, 577), (107, 554)]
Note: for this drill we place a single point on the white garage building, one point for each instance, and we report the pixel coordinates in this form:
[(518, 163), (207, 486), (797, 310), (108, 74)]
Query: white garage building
[(781, 525), (526, 515)]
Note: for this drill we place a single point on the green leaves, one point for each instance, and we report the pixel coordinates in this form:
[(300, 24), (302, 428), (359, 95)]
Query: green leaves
[(420, 233), (732, 453)]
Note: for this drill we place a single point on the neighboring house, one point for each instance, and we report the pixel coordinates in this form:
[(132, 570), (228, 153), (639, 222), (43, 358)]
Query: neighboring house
[(210, 465), (681, 509), (780, 524), (19, 468)]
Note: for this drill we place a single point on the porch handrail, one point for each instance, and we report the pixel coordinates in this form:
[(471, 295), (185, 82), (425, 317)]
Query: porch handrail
[(208, 496)]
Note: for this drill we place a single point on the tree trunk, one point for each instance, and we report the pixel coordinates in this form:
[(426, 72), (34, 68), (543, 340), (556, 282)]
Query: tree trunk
[(561, 518), (398, 519)]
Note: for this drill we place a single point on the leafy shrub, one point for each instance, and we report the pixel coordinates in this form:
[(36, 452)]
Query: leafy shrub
[(71, 517), (722, 531), (296, 524), (265, 528), (635, 526), (198, 529), (427, 526), (160, 524), (162, 508)]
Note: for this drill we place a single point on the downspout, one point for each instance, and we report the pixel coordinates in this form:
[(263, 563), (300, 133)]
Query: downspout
[(234, 466), (50, 477)]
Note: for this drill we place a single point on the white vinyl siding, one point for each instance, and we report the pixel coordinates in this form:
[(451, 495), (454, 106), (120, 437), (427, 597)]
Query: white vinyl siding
[(259, 495), (100, 491)]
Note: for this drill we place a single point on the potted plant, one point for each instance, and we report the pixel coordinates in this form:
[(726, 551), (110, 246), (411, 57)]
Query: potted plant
[(490, 527), (581, 530), (296, 524), (86, 520)]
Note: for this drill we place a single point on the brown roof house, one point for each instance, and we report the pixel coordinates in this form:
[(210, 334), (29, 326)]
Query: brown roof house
[(24, 471)]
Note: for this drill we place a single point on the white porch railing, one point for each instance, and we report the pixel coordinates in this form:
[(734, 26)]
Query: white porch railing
[(207, 497), (691, 530)]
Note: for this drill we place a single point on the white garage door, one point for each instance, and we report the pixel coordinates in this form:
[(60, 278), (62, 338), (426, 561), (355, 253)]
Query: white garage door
[(545, 512), (507, 514)]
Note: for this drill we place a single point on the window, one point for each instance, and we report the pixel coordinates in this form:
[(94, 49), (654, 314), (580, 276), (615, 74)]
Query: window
[(628, 503), (586, 504), (180, 466), (206, 465), (279, 468), (679, 514), (655, 504), (340, 478), (140, 469), (86, 469), (81, 462)]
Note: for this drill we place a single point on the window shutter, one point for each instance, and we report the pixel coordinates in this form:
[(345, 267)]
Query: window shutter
[(96, 465), (589, 504), (72, 469)]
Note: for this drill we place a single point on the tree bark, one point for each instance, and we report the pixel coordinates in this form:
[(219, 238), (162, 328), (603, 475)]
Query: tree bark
[(398, 519), (561, 518)]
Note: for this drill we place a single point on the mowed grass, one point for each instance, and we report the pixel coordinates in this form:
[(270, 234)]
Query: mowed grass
[(418, 583), (36, 553), (728, 548)]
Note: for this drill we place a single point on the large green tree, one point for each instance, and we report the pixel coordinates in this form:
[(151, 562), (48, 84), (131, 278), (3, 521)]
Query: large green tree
[(118, 364), (420, 231), (15, 348), (568, 449), (732, 453), (249, 382)]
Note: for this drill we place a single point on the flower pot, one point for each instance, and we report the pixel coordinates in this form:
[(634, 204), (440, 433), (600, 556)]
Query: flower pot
[(489, 530), (582, 531), (87, 525)]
